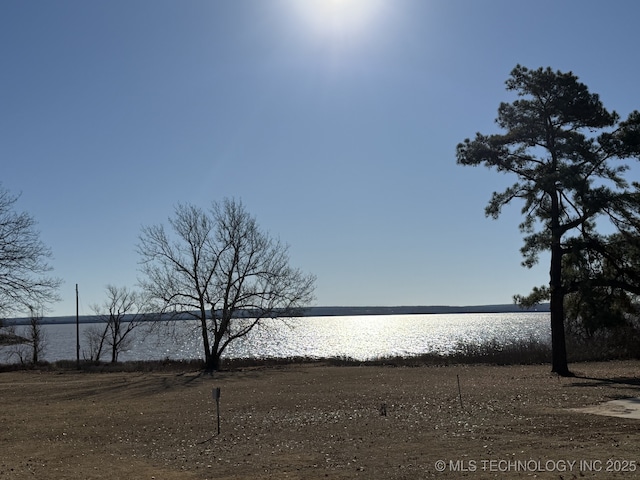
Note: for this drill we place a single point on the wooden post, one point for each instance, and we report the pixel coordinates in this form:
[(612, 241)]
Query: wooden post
[(216, 397), (459, 392)]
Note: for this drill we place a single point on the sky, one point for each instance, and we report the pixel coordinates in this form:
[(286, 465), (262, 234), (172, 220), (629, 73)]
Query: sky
[(334, 121)]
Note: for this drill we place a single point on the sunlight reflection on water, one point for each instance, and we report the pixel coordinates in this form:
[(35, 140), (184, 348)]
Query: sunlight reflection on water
[(358, 337)]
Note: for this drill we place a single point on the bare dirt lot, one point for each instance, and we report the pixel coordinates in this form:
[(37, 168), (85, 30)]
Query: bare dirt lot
[(318, 422)]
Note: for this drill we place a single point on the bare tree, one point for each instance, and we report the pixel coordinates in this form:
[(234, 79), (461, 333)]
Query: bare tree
[(122, 312), (24, 279), (96, 338), (10, 340), (29, 342), (35, 335), (217, 265)]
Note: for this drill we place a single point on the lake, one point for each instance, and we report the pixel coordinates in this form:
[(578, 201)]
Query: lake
[(359, 337)]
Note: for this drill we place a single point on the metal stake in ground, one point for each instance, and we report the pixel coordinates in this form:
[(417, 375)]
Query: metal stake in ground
[(216, 397), (459, 392)]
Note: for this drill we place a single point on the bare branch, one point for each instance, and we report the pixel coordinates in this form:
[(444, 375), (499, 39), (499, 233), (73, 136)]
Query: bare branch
[(24, 271)]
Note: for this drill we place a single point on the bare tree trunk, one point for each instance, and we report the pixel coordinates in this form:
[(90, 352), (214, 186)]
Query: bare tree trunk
[(115, 338), (205, 337), (212, 363)]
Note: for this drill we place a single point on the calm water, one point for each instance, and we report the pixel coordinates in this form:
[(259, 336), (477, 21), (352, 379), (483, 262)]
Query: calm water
[(358, 337)]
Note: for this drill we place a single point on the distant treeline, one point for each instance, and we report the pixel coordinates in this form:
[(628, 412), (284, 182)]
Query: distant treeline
[(319, 312), (419, 310)]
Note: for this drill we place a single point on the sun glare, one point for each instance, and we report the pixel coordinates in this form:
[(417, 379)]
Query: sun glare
[(338, 20)]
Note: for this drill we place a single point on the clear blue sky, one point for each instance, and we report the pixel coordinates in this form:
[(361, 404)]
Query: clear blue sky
[(334, 121)]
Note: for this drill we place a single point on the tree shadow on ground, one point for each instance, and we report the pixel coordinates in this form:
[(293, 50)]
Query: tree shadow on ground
[(146, 384), (631, 385)]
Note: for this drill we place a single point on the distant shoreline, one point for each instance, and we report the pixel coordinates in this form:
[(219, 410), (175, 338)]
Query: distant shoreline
[(339, 312), (420, 310)]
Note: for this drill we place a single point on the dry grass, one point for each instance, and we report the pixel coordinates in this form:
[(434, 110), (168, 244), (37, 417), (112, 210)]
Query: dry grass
[(312, 421)]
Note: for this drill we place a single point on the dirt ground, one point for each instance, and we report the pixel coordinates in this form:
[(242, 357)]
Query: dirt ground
[(319, 422)]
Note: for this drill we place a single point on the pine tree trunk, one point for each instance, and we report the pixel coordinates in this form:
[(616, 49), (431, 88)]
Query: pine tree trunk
[(559, 363), (558, 344)]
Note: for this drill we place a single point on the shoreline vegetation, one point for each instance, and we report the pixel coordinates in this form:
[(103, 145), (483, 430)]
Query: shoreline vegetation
[(493, 352)]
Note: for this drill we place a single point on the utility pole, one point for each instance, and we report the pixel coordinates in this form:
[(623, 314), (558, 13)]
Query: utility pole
[(77, 331)]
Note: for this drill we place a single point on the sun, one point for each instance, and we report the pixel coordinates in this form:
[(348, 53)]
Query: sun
[(338, 20)]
